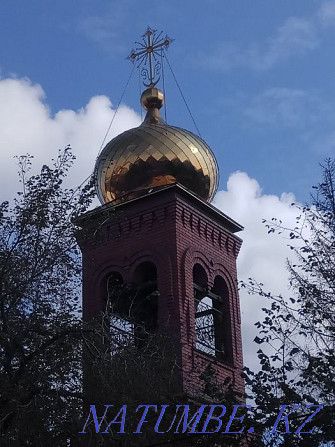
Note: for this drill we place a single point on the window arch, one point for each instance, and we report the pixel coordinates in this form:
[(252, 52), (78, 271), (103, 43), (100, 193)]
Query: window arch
[(224, 334), (145, 303), (212, 322), (120, 325), (133, 305), (146, 271), (200, 276)]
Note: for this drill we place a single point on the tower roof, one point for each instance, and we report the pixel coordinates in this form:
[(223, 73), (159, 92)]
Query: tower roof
[(154, 154)]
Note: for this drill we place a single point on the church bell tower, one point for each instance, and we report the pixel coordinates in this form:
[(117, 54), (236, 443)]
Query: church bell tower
[(157, 229)]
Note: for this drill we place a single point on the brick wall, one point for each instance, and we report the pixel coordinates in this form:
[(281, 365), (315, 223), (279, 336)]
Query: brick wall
[(175, 230)]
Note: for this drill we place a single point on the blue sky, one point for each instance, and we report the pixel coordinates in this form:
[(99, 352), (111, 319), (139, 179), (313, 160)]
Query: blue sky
[(258, 76)]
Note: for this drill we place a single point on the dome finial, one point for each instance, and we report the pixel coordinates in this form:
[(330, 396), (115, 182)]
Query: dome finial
[(146, 52), (154, 154), (152, 100)]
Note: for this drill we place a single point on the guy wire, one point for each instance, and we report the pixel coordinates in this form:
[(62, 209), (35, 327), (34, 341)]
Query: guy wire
[(189, 111), (139, 89), (164, 92), (116, 110), (109, 127)]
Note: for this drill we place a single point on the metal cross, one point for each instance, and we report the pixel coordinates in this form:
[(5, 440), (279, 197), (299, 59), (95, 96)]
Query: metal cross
[(146, 53)]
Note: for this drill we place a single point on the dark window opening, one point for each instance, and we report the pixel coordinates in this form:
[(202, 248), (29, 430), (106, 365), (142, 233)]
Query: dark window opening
[(212, 319), (145, 302), (133, 306), (209, 322), (220, 288), (121, 326)]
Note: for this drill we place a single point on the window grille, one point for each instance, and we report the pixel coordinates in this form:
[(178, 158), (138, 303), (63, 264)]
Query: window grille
[(121, 334), (209, 322)]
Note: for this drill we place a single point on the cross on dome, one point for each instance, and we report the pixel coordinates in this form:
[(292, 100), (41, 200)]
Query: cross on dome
[(152, 45)]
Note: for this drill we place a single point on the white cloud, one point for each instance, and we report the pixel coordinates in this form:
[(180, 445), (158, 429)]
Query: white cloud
[(263, 256), (294, 38), (326, 13), (281, 111), (102, 31), (28, 127), (287, 107), (106, 30)]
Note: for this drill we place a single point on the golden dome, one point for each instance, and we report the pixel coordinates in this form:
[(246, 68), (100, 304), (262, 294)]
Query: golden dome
[(154, 154)]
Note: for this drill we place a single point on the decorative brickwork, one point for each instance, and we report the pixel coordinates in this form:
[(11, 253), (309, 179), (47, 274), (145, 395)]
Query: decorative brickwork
[(174, 230)]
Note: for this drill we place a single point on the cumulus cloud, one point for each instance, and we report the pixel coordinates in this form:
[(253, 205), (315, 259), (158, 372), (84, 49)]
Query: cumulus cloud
[(263, 256), (27, 126)]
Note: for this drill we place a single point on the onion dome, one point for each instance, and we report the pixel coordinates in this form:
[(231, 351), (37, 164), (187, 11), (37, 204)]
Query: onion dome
[(154, 154)]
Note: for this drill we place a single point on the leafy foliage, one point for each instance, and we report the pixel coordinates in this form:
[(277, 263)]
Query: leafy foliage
[(40, 327), (298, 332)]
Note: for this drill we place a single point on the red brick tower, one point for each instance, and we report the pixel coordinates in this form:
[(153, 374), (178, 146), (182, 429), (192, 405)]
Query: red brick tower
[(156, 228)]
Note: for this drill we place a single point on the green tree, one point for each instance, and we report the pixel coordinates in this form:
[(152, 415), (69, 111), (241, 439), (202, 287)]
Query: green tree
[(40, 326), (297, 335)]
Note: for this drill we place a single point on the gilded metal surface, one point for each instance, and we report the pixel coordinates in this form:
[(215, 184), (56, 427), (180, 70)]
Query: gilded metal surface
[(155, 155), (152, 97)]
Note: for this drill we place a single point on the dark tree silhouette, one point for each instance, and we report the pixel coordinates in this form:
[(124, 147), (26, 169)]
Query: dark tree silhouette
[(297, 335), (40, 326)]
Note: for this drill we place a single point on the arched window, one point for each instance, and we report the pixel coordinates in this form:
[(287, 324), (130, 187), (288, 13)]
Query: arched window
[(199, 276), (145, 303), (121, 326), (210, 316), (224, 334), (133, 305), (208, 322), (144, 272)]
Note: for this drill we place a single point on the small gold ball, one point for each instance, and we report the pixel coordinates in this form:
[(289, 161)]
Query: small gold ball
[(152, 98)]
